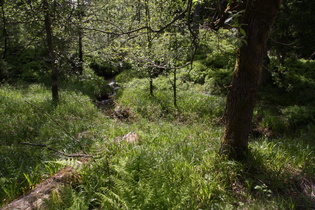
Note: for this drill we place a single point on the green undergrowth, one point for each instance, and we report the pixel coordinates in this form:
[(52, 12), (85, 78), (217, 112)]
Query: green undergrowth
[(175, 163), (194, 102), (287, 107), (177, 166), (27, 116)]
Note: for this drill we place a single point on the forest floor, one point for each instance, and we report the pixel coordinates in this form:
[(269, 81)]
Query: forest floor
[(170, 160)]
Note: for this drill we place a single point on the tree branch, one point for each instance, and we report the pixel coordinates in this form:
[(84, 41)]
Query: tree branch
[(179, 16), (52, 149), (153, 65), (221, 17), (60, 126), (195, 38), (281, 43)]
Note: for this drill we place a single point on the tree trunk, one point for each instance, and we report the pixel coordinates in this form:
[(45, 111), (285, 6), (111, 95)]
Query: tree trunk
[(151, 86), (266, 77), (196, 19), (4, 28), (80, 69), (80, 34), (49, 37), (256, 21)]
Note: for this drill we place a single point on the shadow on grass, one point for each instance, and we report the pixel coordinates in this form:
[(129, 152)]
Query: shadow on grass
[(288, 187)]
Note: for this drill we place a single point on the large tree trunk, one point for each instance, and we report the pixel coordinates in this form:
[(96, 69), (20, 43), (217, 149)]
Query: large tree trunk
[(49, 37), (256, 21)]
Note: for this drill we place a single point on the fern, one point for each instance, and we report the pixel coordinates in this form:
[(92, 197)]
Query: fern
[(111, 200)]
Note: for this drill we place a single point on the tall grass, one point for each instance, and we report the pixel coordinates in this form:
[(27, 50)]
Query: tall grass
[(194, 102), (28, 116), (175, 165)]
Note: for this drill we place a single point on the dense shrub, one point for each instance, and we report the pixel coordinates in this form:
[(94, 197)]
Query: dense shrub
[(29, 65), (291, 96), (108, 68)]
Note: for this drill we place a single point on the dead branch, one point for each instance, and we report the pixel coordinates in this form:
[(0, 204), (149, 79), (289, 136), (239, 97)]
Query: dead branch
[(57, 151)]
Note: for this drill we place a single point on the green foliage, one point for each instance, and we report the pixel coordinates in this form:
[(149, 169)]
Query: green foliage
[(107, 69), (289, 107), (214, 62), (5, 69), (168, 170), (218, 80), (196, 74), (88, 84), (175, 165), (65, 198), (293, 29), (27, 115), (219, 59), (28, 65), (127, 75), (193, 103)]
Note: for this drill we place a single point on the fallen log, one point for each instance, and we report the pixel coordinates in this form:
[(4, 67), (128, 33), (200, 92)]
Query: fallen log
[(58, 152), (35, 199)]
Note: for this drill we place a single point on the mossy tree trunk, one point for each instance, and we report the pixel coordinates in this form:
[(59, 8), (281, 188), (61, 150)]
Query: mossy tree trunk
[(256, 22)]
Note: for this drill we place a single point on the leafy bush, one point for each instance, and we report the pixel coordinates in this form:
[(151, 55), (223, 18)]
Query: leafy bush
[(219, 59), (218, 80), (196, 74), (5, 70), (29, 66), (216, 60), (88, 84), (294, 84), (299, 116), (108, 68), (127, 75)]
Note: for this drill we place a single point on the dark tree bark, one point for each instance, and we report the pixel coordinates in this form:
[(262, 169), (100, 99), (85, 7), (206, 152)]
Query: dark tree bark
[(4, 28), (151, 85), (80, 34), (256, 21), (80, 68), (149, 40), (50, 44), (175, 89), (266, 77), (196, 19)]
